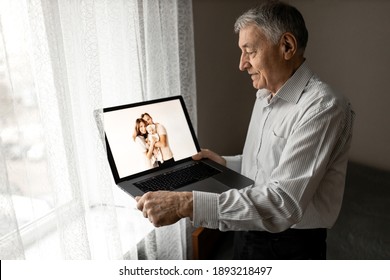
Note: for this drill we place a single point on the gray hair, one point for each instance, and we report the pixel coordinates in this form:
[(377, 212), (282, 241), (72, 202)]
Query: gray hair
[(275, 18)]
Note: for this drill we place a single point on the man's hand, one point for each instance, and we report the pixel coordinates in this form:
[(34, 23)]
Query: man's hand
[(206, 153), (162, 142), (164, 208)]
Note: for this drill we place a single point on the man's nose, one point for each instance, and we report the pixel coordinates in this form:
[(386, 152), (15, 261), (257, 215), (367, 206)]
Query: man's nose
[(244, 64)]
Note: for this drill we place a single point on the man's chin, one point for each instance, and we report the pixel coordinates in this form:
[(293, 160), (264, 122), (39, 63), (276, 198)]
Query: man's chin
[(256, 85)]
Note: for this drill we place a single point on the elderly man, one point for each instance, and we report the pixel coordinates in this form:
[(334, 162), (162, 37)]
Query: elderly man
[(296, 150)]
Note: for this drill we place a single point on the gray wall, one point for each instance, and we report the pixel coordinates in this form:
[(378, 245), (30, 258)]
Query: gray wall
[(348, 47)]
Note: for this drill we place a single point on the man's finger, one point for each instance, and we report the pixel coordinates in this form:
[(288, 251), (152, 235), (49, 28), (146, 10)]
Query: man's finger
[(140, 202), (197, 156)]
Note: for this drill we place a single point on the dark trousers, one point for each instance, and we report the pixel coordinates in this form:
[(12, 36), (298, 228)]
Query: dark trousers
[(292, 244), (166, 163)]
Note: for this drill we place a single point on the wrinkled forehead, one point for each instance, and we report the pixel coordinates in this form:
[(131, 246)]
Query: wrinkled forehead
[(251, 36)]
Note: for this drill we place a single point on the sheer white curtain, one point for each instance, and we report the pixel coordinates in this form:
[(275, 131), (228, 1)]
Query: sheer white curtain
[(60, 61)]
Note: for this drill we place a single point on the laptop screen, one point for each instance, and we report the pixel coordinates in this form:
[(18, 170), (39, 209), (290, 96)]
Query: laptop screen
[(144, 136)]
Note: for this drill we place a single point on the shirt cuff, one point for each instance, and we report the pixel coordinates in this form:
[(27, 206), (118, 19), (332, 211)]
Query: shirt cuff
[(205, 209), (234, 162)]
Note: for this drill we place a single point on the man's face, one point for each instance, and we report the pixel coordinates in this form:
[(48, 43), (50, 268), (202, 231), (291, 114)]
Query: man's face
[(260, 58), (148, 119)]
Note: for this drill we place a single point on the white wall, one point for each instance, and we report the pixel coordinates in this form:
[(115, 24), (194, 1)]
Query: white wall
[(349, 47)]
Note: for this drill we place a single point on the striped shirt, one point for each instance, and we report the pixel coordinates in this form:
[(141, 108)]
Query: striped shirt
[(296, 151)]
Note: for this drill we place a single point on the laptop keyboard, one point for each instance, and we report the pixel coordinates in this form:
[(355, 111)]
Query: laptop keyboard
[(177, 178)]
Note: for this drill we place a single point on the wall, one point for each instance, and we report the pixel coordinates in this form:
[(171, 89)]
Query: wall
[(348, 48)]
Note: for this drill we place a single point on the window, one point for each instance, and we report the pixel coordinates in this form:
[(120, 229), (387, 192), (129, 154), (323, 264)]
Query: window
[(21, 135), (59, 62)]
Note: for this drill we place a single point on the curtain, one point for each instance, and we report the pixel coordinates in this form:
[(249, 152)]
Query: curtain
[(61, 61)]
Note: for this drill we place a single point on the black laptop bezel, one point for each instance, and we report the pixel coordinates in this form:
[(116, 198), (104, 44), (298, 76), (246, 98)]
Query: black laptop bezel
[(110, 156)]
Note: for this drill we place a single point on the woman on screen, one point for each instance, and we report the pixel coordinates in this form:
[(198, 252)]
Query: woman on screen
[(140, 136)]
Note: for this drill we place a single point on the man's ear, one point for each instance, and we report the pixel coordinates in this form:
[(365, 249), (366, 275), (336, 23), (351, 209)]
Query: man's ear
[(289, 45)]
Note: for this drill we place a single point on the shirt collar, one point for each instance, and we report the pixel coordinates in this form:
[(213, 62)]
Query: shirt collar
[(292, 90)]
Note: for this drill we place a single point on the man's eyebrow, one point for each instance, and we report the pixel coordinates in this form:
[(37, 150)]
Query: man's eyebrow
[(246, 45)]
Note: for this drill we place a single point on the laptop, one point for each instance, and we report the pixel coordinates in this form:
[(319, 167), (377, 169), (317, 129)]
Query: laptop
[(157, 154)]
